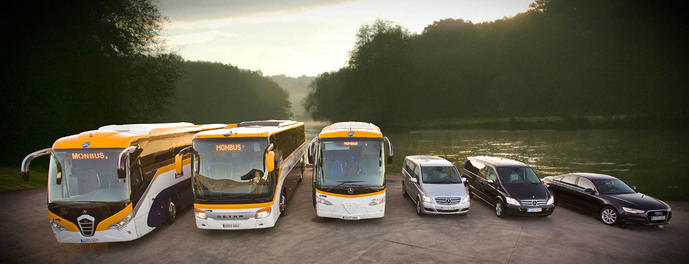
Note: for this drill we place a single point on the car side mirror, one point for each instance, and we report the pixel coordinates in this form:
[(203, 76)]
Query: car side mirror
[(464, 179), (490, 181), (414, 180), (590, 191)]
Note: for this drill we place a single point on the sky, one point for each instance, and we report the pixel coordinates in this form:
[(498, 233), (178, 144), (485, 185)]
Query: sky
[(301, 37)]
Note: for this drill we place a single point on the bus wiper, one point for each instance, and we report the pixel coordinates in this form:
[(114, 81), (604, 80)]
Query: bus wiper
[(341, 183)]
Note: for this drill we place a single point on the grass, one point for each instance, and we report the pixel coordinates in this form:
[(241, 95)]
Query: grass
[(11, 179)]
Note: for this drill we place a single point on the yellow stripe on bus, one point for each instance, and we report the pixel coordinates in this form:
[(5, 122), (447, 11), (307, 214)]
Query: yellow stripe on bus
[(63, 222), (350, 195), (105, 224)]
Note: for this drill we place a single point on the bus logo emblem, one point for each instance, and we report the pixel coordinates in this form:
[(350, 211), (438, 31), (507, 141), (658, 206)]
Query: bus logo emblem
[(350, 190), (86, 144), (351, 133)]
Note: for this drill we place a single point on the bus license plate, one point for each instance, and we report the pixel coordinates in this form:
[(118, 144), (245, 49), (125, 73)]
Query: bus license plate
[(657, 217), (534, 210), (230, 225)]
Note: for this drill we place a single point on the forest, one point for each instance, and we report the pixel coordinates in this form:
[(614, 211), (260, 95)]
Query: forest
[(624, 61)]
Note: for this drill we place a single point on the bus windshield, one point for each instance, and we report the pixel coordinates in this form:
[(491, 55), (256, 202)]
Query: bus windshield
[(232, 168), (351, 162), (88, 175)]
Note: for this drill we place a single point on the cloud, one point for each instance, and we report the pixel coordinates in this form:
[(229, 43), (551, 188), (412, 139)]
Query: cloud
[(178, 10), (196, 38)]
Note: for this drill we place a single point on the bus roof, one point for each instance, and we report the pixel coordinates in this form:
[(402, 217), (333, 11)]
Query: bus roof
[(351, 129), (263, 128), (122, 136)]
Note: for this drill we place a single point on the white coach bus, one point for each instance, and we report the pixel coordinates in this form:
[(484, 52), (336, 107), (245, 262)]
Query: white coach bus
[(244, 175), (349, 171), (116, 183)]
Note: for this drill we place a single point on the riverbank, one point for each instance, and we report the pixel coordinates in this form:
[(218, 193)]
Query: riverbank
[(11, 179), (548, 122)]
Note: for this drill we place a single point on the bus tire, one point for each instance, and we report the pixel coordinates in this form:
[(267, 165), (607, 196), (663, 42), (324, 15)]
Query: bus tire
[(171, 210), (283, 203)]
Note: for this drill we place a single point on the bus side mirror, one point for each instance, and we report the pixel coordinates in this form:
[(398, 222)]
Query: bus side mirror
[(179, 161), (270, 161), (178, 164), (390, 152), (122, 162), (27, 161), (310, 154)]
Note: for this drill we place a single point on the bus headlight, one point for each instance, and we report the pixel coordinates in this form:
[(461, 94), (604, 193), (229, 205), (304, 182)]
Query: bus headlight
[(323, 201), (377, 201), (262, 213), (427, 199), (57, 227), (200, 213), (119, 225), (511, 201)]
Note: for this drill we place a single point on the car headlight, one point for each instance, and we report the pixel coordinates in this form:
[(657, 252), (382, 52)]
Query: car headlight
[(427, 199), (551, 200), (56, 226), (633, 210), (511, 201), (465, 199), (119, 225), (262, 213), (377, 201), (323, 201)]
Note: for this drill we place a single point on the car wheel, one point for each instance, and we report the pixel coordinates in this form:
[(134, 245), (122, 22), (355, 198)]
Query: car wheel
[(404, 190), (283, 203), (609, 215), (171, 211), (499, 210), (419, 210)]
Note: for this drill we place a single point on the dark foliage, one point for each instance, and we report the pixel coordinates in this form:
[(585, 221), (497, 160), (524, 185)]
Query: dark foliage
[(560, 58)]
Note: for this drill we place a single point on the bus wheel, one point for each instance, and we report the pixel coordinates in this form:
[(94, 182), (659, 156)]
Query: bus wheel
[(171, 210), (283, 203)]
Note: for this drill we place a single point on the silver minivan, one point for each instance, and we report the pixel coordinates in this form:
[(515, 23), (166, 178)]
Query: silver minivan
[(434, 185)]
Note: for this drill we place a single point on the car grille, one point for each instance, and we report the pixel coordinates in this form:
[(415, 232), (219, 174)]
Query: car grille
[(235, 216), (536, 202), (447, 200), (86, 225), (652, 213)]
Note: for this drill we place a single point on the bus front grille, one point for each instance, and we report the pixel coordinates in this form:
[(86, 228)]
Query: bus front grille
[(86, 225)]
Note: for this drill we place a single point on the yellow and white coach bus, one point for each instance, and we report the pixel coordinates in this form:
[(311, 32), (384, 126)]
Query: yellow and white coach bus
[(349, 171), (244, 175), (116, 183)]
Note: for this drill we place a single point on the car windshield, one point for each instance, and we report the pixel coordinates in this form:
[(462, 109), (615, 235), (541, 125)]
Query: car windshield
[(517, 175), (440, 175), (612, 186), (350, 162), (88, 175), (231, 168)]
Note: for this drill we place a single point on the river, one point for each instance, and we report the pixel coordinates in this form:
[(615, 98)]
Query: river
[(655, 161)]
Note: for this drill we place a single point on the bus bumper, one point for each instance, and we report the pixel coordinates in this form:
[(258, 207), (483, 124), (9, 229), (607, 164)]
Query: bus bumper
[(127, 233), (351, 208), (219, 220)]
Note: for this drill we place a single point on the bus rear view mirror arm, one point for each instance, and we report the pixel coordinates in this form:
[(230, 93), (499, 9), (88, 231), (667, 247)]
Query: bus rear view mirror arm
[(121, 170), (179, 161), (27, 161)]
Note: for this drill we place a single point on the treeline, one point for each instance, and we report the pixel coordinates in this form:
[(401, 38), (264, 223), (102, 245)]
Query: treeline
[(218, 93), (560, 58)]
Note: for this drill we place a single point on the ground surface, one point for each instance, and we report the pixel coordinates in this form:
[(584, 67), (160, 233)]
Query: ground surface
[(401, 237)]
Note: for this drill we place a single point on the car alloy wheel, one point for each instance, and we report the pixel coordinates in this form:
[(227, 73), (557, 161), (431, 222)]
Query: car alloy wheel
[(419, 211), (608, 215), (498, 209), (404, 190)]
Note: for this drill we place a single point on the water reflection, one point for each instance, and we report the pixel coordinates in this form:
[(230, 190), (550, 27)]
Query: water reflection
[(652, 160)]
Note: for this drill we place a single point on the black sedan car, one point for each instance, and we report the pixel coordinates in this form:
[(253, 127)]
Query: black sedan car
[(610, 198)]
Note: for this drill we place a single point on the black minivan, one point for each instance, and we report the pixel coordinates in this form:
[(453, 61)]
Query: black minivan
[(509, 185)]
